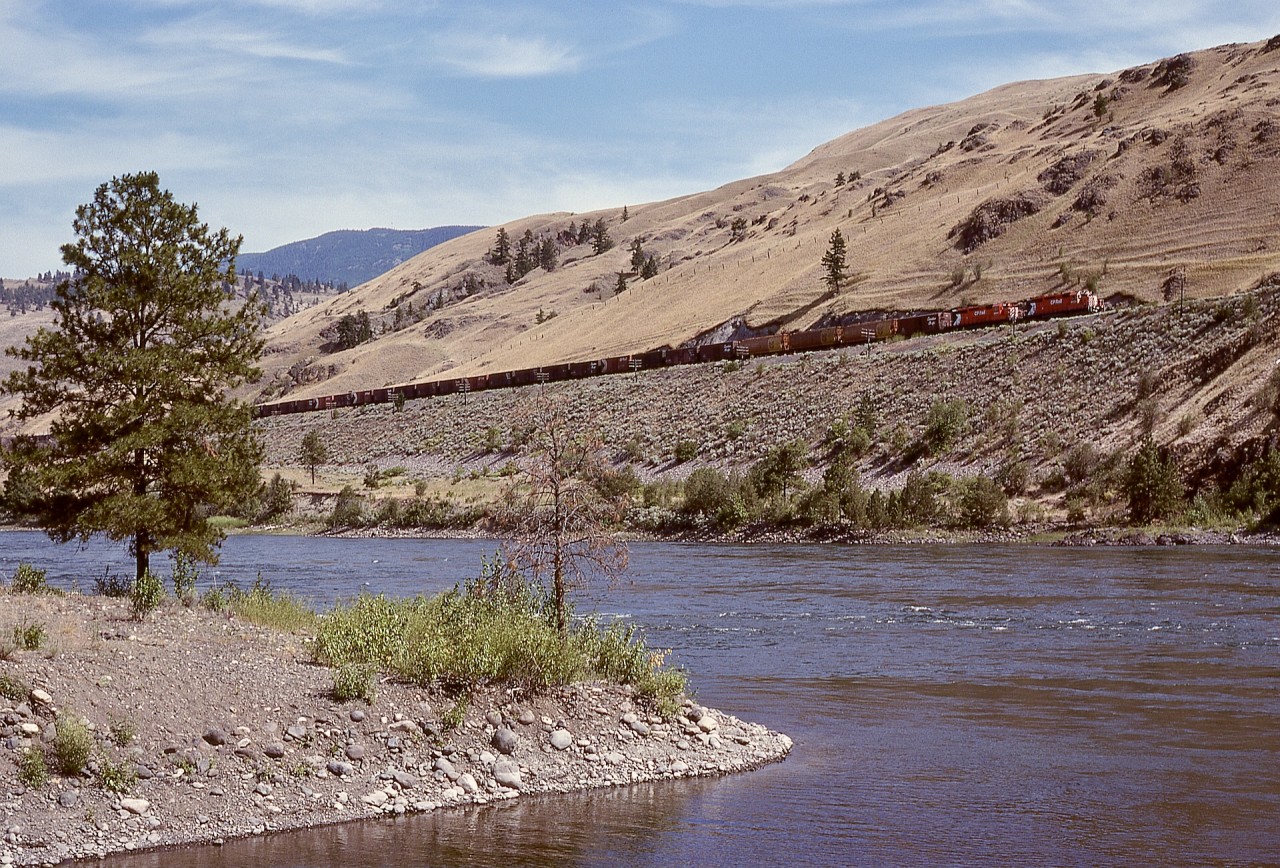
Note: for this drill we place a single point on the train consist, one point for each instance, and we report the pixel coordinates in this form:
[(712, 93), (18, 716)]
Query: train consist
[(1041, 307)]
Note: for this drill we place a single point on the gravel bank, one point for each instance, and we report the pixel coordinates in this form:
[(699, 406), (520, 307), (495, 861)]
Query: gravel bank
[(233, 733)]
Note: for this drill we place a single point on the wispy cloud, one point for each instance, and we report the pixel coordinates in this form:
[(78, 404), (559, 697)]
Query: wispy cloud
[(501, 56), (205, 34)]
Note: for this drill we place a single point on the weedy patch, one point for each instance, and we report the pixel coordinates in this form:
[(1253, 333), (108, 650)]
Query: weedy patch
[(33, 769), (72, 746), (29, 636), (480, 634)]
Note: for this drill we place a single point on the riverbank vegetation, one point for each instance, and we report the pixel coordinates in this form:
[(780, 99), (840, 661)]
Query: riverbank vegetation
[(820, 491), (496, 628)]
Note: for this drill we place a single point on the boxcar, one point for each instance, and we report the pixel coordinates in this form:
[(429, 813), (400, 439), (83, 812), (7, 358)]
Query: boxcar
[(918, 324), (814, 339), (766, 345)]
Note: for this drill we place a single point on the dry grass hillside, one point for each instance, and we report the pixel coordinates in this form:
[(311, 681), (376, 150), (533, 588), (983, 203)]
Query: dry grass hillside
[(1149, 182)]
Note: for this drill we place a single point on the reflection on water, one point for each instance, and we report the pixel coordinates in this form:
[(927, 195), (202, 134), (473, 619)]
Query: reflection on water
[(631, 825), (949, 704)]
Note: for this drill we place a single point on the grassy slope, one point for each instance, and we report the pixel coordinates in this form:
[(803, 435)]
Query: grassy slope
[(900, 253)]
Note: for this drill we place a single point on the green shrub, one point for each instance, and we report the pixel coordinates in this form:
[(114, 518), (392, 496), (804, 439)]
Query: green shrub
[(33, 769), (348, 509), (780, 468), (121, 732), (354, 681), (72, 746), (185, 576), (1014, 475), (146, 595), (14, 688), (1151, 485), (981, 503), (215, 599), (28, 636), (108, 585), (686, 450), (277, 499), (492, 439), (945, 423), (455, 716), (115, 778), (1076, 509), (708, 492), (28, 579)]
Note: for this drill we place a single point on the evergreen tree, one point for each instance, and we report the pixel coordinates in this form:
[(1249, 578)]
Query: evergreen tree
[(524, 262), (548, 254), (501, 252), (600, 239), (833, 261), (621, 285), (637, 255), (650, 267), (136, 370)]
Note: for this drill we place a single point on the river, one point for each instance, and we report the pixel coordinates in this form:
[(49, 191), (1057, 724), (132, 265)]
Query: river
[(949, 705)]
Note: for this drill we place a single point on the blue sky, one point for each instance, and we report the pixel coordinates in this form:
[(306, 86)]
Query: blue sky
[(284, 119)]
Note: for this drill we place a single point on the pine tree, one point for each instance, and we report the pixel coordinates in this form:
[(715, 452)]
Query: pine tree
[(637, 255), (501, 253), (833, 261), (136, 370), (600, 240), (548, 254)]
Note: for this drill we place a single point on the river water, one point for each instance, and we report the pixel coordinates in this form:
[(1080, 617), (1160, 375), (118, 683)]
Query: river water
[(949, 705)]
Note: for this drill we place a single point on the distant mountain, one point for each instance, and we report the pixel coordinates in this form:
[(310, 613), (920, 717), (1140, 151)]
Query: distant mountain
[(350, 256)]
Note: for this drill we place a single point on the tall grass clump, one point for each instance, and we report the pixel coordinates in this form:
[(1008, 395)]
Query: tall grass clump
[(497, 628), (13, 688), (261, 605), (33, 770)]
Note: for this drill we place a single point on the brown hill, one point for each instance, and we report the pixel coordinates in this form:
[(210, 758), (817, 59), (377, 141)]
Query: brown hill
[(1149, 182)]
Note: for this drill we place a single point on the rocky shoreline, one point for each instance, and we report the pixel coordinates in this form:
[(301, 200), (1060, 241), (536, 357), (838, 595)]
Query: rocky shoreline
[(231, 732), (1029, 534)]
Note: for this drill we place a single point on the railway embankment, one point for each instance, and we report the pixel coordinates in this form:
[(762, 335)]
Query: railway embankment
[(1199, 379)]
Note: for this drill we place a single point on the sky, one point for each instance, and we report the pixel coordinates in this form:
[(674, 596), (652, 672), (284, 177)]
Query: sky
[(285, 119)]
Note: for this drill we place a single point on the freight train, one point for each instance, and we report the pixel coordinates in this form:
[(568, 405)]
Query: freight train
[(856, 334)]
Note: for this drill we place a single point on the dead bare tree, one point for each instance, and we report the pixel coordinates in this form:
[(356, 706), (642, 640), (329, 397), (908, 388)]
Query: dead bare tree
[(554, 515)]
